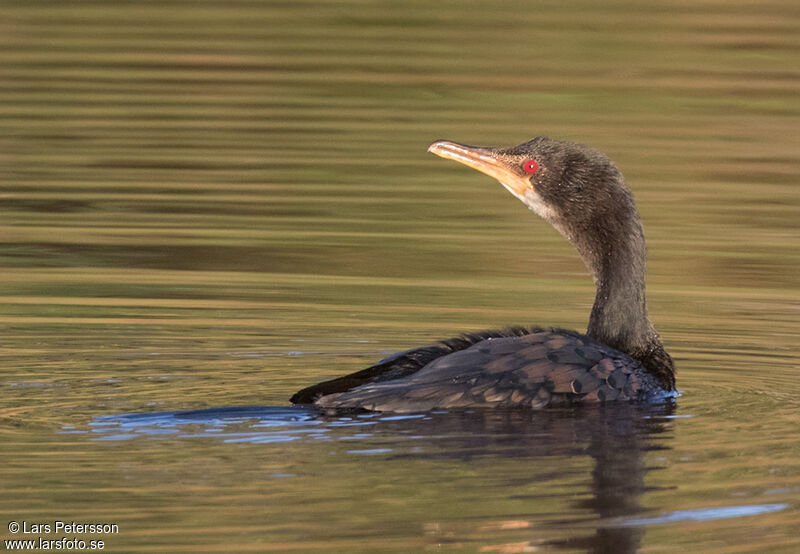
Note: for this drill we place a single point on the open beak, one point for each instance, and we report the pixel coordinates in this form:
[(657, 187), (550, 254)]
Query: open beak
[(484, 160)]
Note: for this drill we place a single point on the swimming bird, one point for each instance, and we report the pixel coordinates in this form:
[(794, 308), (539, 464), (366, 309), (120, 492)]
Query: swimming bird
[(583, 195)]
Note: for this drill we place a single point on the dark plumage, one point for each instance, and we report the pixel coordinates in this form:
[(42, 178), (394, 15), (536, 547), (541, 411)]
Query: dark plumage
[(581, 193)]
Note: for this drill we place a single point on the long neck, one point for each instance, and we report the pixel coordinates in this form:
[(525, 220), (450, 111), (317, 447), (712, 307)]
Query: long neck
[(617, 261), (615, 252)]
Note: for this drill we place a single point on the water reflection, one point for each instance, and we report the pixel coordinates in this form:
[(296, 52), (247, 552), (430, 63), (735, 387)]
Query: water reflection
[(258, 424), (615, 438)]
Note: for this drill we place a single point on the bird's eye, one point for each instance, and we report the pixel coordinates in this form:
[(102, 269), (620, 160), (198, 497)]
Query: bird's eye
[(530, 166)]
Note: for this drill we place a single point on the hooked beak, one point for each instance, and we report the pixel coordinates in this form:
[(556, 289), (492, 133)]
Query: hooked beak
[(484, 160)]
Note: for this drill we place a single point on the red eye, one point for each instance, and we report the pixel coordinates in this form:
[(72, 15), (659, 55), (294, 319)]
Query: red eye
[(530, 166)]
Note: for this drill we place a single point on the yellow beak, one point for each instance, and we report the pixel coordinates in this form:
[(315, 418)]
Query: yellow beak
[(485, 161)]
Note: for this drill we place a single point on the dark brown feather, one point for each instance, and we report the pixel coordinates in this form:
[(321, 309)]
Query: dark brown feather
[(403, 364), (499, 370)]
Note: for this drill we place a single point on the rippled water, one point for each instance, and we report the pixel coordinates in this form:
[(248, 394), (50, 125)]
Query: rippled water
[(207, 206)]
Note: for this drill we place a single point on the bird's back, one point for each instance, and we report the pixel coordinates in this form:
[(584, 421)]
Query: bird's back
[(533, 368)]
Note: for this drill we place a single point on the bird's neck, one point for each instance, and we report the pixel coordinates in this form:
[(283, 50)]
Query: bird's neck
[(619, 315), (617, 258)]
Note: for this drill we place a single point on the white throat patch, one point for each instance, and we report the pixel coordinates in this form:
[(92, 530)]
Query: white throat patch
[(535, 203)]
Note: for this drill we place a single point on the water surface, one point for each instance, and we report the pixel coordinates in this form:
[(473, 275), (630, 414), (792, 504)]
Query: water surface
[(207, 206)]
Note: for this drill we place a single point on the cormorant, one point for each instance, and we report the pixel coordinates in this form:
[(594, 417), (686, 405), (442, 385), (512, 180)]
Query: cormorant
[(581, 193)]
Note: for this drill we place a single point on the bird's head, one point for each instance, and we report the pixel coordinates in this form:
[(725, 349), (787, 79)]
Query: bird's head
[(577, 189)]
